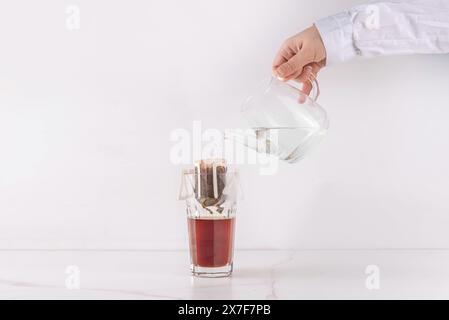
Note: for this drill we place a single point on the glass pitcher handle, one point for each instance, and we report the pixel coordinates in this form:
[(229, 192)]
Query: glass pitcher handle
[(314, 93)]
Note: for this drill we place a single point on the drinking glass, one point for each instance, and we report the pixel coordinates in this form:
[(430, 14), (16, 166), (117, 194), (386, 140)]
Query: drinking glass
[(211, 202)]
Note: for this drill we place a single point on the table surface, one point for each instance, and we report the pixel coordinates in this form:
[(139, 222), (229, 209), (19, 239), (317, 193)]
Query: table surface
[(335, 274)]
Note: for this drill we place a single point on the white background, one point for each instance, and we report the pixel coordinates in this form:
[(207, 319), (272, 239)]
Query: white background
[(86, 116)]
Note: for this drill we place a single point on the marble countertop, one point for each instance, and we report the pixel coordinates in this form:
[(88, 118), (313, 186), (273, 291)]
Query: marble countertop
[(351, 274)]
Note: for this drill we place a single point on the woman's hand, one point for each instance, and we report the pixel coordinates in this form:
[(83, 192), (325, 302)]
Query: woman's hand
[(300, 58)]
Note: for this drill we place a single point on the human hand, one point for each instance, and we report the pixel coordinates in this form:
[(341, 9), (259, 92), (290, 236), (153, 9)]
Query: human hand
[(300, 58)]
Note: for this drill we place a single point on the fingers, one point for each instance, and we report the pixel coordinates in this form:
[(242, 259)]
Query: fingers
[(296, 52), (284, 54), (292, 66), (309, 73)]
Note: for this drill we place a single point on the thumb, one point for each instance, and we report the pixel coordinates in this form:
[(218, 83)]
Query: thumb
[(292, 66)]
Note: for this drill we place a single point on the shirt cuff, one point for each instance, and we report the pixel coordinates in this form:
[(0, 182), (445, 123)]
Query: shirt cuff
[(336, 32)]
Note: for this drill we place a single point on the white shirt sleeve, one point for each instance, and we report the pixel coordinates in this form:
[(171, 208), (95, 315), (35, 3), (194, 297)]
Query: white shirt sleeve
[(386, 28)]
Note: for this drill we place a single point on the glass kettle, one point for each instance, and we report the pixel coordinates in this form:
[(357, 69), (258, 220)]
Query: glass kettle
[(284, 121)]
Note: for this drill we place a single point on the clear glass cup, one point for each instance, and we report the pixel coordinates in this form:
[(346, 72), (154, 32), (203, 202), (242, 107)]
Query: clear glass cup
[(284, 121), (211, 202)]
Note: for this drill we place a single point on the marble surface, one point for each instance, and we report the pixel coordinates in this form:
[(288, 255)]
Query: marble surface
[(323, 274)]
